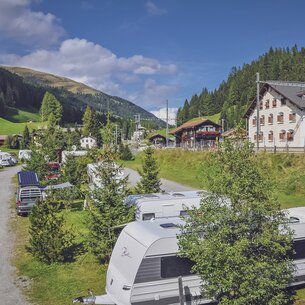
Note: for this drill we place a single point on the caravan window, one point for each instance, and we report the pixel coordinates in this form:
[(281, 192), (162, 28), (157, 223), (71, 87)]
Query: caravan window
[(148, 216), (184, 213), (299, 249), (173, 266)]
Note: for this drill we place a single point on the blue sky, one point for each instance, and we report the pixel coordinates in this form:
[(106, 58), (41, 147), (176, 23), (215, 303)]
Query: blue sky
[(146, 51)]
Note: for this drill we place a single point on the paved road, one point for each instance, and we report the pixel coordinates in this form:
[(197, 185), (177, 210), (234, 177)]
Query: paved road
[(167, 185), (9, 293)]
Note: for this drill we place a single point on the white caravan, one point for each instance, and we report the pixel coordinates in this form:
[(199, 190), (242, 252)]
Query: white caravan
[(94, 178), (144, 267), (24, 154), (164, 205), (296, 215)]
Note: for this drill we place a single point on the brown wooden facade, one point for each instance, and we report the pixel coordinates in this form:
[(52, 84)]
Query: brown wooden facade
[(197, 134)]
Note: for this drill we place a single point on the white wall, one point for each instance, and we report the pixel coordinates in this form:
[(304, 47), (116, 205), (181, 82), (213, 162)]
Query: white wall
[(276, 127)]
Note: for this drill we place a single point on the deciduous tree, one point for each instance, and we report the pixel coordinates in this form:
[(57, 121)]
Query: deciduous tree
[(239, 238)]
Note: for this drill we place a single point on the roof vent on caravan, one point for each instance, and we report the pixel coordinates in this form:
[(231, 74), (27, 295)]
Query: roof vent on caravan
[(168, 225), (178, 195), (150, 196)]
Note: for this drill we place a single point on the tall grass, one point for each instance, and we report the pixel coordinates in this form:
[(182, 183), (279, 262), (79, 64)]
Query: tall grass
[(286, 171)]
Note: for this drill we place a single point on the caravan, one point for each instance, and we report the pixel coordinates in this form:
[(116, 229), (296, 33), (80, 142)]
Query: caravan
[(28, 191), (144, 267), (164, 205)]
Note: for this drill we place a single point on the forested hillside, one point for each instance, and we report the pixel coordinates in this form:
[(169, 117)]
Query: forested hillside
[(26, 88), (233, 95)]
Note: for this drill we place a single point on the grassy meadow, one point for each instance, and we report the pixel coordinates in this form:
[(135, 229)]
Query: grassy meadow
[(15, 123), (287, 171)]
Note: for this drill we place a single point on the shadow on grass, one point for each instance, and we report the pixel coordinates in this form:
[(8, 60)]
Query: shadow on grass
[(73, 252)]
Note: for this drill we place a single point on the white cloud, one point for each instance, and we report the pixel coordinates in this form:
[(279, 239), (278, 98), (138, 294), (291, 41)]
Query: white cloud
[(98, 67), (20, 23), (153, 9), (161, 114)]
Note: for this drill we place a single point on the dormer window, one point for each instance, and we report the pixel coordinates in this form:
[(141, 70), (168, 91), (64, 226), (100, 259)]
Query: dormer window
[(283, 101)]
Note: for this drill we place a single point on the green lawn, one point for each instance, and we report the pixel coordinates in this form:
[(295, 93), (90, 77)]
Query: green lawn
[(287, 171), (57, 284), (8, 127), (23, 116)]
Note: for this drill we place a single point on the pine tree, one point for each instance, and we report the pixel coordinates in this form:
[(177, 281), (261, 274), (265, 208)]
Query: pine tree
[(108, 209), (239, 238), (26, 137), (50, 241), (149, 182), (50, 105), (87, 121)]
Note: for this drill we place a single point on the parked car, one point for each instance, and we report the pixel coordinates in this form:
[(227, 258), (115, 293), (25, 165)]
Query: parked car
[(24, 154), (28, 191), (6, 162)]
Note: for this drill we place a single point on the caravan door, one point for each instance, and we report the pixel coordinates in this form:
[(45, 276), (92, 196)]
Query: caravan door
[(168, 210)]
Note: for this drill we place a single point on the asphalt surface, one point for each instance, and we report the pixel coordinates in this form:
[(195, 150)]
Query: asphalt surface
[(9, 293), (167, 185)]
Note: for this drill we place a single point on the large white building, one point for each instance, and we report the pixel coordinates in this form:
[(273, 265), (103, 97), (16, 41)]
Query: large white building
[(88, 142), (281, 116)]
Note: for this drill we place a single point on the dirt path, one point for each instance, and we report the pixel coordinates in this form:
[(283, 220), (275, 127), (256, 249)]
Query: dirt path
[(167, 185), (9, 293)]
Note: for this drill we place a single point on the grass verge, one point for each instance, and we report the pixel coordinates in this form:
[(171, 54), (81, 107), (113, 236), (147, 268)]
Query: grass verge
[(287, 171), (57, 284)]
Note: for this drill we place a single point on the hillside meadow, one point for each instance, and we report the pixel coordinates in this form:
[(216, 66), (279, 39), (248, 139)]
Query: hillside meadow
[(286, 171)]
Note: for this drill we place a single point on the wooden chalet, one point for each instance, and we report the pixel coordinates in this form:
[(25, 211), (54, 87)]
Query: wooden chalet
[(197, 134), (160, 140)]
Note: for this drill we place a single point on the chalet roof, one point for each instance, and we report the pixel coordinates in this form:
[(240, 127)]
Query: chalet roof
[(158, 135), (191, 124), (293, 91)]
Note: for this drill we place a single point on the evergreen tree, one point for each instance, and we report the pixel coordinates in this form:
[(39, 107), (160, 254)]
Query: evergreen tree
[(37, 163), (239, 238), (26, 137), (149, 182), (109, 210), (87, 121), (50, 241), (50, 105)]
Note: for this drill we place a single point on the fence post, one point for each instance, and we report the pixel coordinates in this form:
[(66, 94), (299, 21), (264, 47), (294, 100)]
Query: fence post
[(181, 296), (275, 149)]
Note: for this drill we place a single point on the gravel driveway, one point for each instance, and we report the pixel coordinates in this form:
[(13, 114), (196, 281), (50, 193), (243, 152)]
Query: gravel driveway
[(167, 185), (9, 293)]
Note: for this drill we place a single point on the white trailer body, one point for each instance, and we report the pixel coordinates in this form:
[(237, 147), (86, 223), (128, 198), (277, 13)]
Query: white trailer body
[(164, 205), (94, 178), (296, 215), (144, 266)]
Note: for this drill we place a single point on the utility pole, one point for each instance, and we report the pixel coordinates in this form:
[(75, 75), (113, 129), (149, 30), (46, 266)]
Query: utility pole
[(257, 111), (166, 123), (116, 134)]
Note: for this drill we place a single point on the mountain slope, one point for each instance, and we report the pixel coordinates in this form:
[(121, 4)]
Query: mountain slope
[(23, 88)]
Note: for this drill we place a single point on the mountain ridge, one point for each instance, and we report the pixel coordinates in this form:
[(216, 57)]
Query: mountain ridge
[(24, 87)]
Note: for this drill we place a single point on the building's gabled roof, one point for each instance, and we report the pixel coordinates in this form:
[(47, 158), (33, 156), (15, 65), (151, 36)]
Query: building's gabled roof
[(193, 123), (293, 91), (28, 178)]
